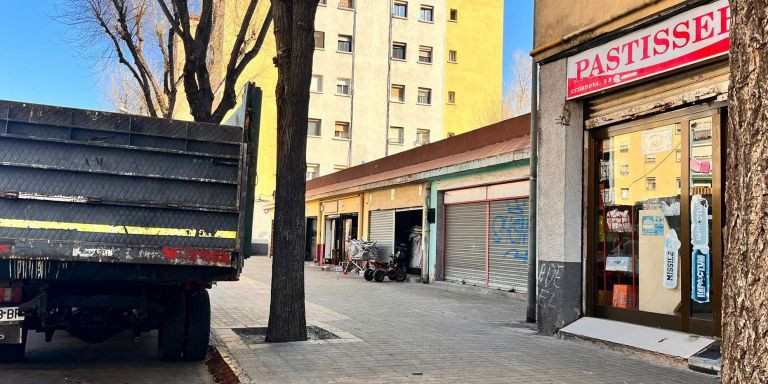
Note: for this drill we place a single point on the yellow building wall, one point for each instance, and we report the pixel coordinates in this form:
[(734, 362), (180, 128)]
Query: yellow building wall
[(476, 77), (398, 197)]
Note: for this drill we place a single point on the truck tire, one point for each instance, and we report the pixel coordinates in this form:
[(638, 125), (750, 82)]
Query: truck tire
[(198, 327), (11, 353), (170, 341)]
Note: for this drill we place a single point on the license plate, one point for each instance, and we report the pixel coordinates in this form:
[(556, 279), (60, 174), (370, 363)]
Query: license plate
[(8, 314)]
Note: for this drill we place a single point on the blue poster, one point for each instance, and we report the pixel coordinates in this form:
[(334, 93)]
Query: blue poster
[(653, 225), (700, 278)]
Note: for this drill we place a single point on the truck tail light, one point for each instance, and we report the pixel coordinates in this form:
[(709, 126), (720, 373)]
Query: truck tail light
[(10, 295)]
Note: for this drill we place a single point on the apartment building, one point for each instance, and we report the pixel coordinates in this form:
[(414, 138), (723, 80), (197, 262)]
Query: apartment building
[(388, 76)]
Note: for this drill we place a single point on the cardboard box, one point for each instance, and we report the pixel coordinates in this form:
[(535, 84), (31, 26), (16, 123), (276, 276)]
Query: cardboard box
[(623, 296)]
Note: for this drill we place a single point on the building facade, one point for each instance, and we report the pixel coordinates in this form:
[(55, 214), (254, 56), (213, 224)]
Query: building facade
[(632, 115), (459, 207), (388, 76)]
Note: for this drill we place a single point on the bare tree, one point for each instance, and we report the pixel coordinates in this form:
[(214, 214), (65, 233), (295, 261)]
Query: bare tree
[(516, 99), (165, 46), (294, 35), (745, 272)]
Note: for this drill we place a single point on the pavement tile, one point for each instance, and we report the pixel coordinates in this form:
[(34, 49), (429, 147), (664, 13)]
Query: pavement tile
[(390, 331)]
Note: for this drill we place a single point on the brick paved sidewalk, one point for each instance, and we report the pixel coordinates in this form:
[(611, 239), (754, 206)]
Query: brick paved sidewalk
[(407, 332)]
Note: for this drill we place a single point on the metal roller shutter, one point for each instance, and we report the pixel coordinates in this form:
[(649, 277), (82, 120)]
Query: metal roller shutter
[(465, 243), (382, 231), (708, 82), (508, 248)]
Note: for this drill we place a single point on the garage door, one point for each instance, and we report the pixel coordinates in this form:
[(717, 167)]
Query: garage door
[(466, 227), (382, 231), (508, 248)]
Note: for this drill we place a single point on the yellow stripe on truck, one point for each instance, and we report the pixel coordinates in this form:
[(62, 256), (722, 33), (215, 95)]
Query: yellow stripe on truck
[(114, 229)]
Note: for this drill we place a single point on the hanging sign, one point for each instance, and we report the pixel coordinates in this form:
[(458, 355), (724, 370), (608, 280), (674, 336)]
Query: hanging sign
[(690, 37), (700, 276), (671, 259)]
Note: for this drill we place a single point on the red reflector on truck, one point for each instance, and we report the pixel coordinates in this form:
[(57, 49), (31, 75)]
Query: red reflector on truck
[(220, 257), (10, 295)]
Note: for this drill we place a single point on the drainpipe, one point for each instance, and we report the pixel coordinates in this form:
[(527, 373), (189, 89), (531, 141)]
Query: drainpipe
[(530, 314)]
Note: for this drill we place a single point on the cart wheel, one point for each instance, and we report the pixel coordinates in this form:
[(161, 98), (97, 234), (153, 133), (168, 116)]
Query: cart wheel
[(392, 274), (379, 275), (400, 275), (368, 274)]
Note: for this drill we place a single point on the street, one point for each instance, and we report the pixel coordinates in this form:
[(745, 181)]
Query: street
[(67, 360), (408, 332)]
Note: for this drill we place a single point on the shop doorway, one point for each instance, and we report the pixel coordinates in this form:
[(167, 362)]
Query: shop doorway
[(408, 238), (310, 250), (339, 229), (655, 248)]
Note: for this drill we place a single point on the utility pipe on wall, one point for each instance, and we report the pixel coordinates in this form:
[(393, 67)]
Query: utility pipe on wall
[(530, 313)]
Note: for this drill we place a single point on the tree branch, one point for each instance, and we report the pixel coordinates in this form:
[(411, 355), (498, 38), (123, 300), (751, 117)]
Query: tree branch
[(121, 58)]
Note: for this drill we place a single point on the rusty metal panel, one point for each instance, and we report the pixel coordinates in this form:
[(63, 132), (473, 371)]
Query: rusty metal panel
[(709, 82)]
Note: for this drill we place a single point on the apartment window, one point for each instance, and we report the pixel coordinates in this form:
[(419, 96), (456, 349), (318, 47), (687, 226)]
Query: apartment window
[(425, 54), (625, 169), (342, 87), (313, 171), (396, 135), (342, 130), (453, 15), (319, 40), (313, 127), (624, 148), (398, 93), (337, 168), (679, 183), (347, 4), (451, 134), (400, 9), (452, 56), (398, 51), (649, 159), (425, 96), (317, 84), (345, 43), (451, 97), (427, 14), (625, 193), (422, 136), (678, 155), (650, 183), (322, 2)]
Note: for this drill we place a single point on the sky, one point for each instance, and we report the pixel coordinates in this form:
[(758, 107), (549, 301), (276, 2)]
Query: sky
[(40, 63)]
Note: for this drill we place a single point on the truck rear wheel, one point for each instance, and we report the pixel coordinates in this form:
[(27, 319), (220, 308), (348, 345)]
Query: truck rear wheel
[(170, 340), (198, 327), (11, 353)]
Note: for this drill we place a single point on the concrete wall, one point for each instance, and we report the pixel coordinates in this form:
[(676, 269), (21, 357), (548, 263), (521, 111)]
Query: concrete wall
[(551, 23), (560, 202)]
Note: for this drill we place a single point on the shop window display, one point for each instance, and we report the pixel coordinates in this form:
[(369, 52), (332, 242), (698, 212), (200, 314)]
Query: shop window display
[(638, 221)]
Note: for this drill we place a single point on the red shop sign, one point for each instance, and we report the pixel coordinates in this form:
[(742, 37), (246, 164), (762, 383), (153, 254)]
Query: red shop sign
[(690, 37)]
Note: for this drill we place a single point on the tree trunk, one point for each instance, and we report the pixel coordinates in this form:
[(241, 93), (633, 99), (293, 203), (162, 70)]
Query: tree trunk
[(745, 262), (294, 35)]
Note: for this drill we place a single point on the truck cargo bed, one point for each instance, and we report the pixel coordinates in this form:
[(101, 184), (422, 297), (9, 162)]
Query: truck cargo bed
[(96, 195)]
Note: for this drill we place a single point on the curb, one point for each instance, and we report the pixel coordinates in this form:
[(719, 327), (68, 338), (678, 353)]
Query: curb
[(223, 367)]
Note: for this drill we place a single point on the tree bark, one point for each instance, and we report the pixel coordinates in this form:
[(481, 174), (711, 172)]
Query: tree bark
[(294, 34), (745, 262)]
